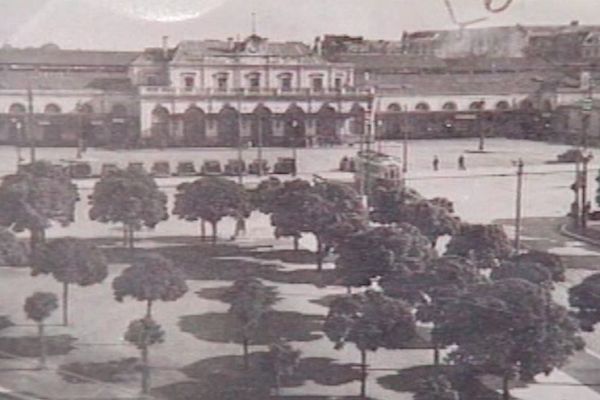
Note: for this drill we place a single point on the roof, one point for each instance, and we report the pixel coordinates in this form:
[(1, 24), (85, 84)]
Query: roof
[(61, 81), (461, 84), (53, 56), (194, 50)]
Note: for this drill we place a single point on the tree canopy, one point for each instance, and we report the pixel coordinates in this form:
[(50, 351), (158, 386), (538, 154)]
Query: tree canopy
[(151, 277), (585, 297), (12, 252), (40, 306), (379, 252), (486, 245), (510, 328), (551, 262), (130, 197), (144, 332), (529, 271), (211, 199), (36, 195)]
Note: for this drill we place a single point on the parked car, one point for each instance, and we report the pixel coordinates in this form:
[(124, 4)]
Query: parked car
[(211, 167), (79, 169), (570, 156), (285, 165), (255, 165), (185, 168), (234, 167), (108, 168), (136, 166), (161, 169)]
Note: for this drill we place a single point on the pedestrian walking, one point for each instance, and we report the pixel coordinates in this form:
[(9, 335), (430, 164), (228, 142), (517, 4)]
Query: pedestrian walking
[(436, 163), (461, 163)]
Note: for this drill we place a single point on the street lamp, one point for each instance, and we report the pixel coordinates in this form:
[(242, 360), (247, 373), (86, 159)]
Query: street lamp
[(18, 126), (295, 136)]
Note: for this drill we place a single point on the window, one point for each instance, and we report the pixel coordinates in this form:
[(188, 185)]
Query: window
[(317, 84), (449, 106), (254, 82), (189, 82), (422, 107), (286, 83), (151, 80), (338, 84), (222, 83), (52, 109)]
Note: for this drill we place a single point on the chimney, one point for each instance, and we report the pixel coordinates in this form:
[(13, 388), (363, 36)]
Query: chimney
[(318, 49), (165, 46), (230, 44), (575, 23)]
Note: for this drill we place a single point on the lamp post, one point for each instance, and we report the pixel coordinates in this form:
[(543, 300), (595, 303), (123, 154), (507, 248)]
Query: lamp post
[(520, 166), (18, 126), (295, 137), (79, 110)]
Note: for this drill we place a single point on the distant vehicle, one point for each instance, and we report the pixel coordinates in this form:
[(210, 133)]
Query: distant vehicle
[(161, 169), (211, 167), (285, 165), (77, 169), (595, 216), (185, 168), (570, 156), (255, 165), (108, 168), (136, 166), (234, 167), (348, 164), (373, 169)]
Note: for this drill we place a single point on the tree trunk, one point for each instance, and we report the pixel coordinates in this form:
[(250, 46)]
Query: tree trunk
[(277, 383), (245, 346), (505, 388), (319, 255), (42, 339), (149, 309), (145, 371), (131, 238), (202, 230), (363, 374), (296, 243), (65, 303), (436, 354), (125, 235), (37, 237), (214, 232)]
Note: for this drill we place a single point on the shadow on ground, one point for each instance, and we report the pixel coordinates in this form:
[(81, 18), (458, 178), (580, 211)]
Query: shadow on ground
[(110, 372), (225, 377), (30, 346), (224, 328)]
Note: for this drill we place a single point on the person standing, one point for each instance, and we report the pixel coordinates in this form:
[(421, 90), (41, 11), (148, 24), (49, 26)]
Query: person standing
[(436, 163), (461, 163)]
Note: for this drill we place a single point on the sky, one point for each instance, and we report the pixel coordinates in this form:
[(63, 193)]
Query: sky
[(136, 24)]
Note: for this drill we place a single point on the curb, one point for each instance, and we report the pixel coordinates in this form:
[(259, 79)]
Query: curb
[(563, 230)]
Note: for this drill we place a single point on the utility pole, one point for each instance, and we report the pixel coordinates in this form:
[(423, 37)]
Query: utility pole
[(520, 166), (29, 124), (584, 183), (405, 150), (259, 151), (239, 147)]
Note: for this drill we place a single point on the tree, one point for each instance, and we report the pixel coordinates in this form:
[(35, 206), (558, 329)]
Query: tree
[(437, 387), (370, 320), (531, 272), (281, 361), (12, 252), (386, 203), (286, 203), (332, 212), (144, 333), (249, 301), (150, 278), (445, 279), (130, 197), (265, 194), (70, 261), (34, 197), (210, 199), (551, 262), (380, 252), (485, 245), (585, 297), (431, 217), (38, 307), (510, 328)]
